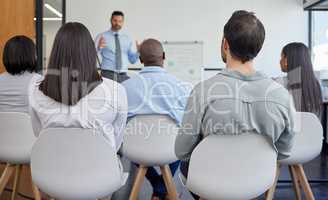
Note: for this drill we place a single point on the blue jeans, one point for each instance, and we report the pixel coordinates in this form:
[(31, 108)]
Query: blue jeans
[(157, 181)]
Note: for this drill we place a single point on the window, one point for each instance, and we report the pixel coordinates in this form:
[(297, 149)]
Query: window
[(52, 20), (320, 40)]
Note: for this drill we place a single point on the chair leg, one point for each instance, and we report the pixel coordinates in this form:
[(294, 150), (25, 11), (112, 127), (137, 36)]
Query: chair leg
[(138, 182), (16, 181), (296, 184), (270, 193), (168, 179), (36, 192), (304, 182), (35, 189), (9, 169)]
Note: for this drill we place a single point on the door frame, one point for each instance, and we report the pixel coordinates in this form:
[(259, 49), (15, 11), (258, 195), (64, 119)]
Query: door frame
[(39, 6)]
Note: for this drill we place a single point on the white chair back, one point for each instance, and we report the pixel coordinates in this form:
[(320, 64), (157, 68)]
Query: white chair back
[(73, 163), (308, 139), (16, 137), (232, 167), (149, 140)]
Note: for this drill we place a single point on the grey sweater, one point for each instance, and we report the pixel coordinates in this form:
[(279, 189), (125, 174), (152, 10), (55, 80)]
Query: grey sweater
[(233, 103)]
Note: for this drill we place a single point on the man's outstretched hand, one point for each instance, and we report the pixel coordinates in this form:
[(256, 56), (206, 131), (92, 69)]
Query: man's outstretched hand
[(102, 43)]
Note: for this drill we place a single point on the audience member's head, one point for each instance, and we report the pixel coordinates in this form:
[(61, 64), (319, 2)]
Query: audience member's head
[(295, 55), (117, 20), (304, 86), (243, 38), (72, 69), (152, 53), (19, 55)]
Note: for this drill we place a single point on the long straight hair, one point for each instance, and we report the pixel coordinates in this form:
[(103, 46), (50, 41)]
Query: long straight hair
[(302, 82), (72, 70)]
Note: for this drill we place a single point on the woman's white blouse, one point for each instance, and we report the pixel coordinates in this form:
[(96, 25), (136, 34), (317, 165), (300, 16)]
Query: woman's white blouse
[(104, 109), (14, 91)]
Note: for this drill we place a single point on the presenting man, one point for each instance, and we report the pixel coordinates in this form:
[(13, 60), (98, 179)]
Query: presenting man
[(116, 50)]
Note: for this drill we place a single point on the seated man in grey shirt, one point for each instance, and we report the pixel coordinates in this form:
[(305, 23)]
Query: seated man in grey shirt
[(239, 99)]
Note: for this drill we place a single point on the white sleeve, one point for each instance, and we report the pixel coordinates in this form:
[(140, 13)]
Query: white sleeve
[(36, 123), (120, 121)]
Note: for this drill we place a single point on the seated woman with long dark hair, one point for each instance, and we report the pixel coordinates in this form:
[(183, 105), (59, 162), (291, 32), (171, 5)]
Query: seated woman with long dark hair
[(73, 94), (19, 59), (301, 81)]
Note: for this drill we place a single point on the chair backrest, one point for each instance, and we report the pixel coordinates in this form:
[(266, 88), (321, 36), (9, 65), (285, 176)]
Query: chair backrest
[(308, 139), (16, 137), (149, 140), (74, 163), (232, 167)]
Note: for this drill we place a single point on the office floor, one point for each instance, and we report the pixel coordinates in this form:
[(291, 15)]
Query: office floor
[(317, 169)]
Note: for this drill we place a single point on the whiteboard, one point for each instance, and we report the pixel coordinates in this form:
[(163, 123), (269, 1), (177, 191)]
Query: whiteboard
[(184, 60)]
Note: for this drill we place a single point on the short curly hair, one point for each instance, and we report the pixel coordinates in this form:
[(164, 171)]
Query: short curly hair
[(245, 35)]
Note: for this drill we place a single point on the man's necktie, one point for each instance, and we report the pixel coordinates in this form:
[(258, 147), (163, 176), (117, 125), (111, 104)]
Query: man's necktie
[(118, 53)]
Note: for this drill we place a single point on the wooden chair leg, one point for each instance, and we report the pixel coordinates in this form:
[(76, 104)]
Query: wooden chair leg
[(304, 182), (16, 181), (168, 179), (9, 170), (36, 192), (270, 193), (138, 182), (295, 180)]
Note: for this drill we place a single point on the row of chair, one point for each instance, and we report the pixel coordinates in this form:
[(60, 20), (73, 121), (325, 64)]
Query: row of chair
[(16, 142), (79, 164), (307, 146)]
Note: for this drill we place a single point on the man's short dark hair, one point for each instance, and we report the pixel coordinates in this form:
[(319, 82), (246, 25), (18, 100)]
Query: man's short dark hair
[(19, 55), (117, 13), (245, 35)]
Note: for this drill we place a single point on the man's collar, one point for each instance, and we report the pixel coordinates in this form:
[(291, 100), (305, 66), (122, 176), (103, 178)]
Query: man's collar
[(148, 69), (251, 77), (115, 32)]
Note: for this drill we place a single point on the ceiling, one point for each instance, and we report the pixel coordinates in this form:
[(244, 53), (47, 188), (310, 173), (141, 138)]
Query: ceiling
[(316, 4), (57, 4)]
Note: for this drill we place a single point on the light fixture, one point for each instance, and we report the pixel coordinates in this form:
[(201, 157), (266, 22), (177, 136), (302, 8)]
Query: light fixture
[(54, 10), (50, 19)]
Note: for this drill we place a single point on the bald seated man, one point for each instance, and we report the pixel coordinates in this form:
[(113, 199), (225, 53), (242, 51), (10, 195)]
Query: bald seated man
[(155, 91)]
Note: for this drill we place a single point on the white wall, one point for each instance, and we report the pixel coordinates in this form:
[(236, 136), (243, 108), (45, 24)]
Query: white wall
[(202, 20)]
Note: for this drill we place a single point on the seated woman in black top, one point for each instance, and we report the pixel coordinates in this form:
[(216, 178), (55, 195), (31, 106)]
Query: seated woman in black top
[(301, 81)]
